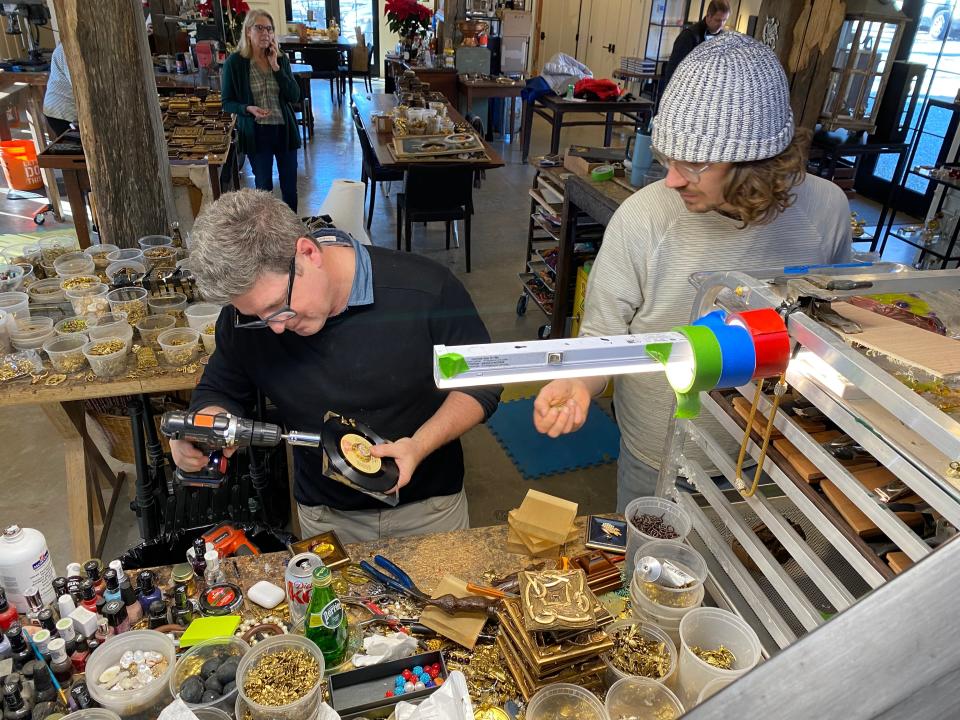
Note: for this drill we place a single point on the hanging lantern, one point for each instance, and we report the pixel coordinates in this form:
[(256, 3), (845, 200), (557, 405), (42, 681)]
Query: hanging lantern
[(868, 42)]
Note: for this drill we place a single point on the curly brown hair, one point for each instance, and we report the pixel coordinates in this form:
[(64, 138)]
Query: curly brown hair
[(760, 190)]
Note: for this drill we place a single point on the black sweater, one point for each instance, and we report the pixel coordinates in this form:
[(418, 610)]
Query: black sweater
[(372, 363)]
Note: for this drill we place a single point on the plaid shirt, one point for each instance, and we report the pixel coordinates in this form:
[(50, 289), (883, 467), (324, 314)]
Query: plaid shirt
[(266, 94)]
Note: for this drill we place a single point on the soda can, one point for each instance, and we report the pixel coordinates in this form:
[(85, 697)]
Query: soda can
[(299, 582)]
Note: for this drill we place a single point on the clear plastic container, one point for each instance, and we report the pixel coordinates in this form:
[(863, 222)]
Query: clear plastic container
[(212, 713), (673, 515), (713, 687), (11, 277), (15, 303), (190, 662), (32, 333), (132, 301), (71, 326), (126, 255), (66, 352), (47, 291), (642, 699), (169, 304), (648, 631), (94, 714), (74, 263), (29, 275), (152, 241), (180, 346), (209, 340), (667, 619), (131, 267), (5, 345), (110, 364), (306, 705), (709, 628), (23, 253), (146, 701), (160, 258), (99, 254), (151, 326), (73, 282), (682, 556), (89, 299), (570, 700), (111, 324), (53, 247), (199, 315)]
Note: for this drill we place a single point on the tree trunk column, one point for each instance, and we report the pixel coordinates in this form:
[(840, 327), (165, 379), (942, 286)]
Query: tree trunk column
[(105, 44)]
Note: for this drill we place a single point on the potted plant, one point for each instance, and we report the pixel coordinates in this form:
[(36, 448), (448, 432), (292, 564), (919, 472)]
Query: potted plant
[(408, 19), (233, 13)]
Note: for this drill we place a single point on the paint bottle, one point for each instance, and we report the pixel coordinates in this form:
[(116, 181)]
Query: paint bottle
[(65, 605), (88, 596), (34, 605), (92, 568), (129, 599), (25, 561), (149, 592), (81, 695), (116, 615), (60, 661), (8, 613), (112, 589), (80, 654), (5, 650), (213, 575), (19, 649), (158, 614), (68, 633), (14, 706), (45, 617)]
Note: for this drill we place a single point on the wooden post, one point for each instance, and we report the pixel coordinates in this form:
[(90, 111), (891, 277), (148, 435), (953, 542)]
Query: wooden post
[(106, 48)]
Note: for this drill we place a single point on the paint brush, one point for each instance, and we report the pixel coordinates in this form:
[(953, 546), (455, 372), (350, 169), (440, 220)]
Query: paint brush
[(64, 698)]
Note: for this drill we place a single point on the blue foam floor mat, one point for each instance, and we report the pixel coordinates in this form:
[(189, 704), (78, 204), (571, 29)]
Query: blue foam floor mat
[(536, 455)]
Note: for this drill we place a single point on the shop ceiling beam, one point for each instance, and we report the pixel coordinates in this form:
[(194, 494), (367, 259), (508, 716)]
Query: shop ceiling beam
[(111, 70)]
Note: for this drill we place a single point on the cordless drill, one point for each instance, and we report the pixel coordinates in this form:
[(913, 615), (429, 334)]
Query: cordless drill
[(213, 433)]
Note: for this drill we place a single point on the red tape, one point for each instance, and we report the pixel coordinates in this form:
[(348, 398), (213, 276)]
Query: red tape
[(770, 339)]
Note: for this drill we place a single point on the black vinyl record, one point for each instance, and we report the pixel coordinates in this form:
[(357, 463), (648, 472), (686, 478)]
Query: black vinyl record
[(347, 445)]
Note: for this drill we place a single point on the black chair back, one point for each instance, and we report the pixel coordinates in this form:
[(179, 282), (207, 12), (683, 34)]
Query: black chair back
[(324, 61), (429, 189)]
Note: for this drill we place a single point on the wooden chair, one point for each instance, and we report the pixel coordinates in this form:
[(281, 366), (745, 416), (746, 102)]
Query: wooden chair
[(303, 109), (371, 169), (361, 67), (436, 195), (325, 62)]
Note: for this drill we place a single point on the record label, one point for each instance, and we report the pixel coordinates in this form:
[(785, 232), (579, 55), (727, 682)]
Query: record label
[(356, 451)]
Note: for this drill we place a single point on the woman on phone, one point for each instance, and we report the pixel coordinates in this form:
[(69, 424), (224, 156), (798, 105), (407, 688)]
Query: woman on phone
[(258, 87)]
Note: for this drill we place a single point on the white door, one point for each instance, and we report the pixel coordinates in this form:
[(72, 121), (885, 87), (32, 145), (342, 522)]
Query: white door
[(559, 25), (613, 32)]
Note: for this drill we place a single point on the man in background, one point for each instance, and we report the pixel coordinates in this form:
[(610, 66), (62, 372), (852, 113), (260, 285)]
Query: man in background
[(718, 12), (59, 105)]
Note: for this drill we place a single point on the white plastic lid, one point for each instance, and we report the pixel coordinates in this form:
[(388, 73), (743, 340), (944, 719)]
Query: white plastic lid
[(57, 648), (12, 532), (211, 556), (74, 569)]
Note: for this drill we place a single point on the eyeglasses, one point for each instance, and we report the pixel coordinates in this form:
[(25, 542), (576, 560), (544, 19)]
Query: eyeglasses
[(689, 171), (280, 316), (263, 28)]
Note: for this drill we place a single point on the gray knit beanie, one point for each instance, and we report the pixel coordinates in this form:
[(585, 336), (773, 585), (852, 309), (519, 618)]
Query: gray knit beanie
[(728, 101)]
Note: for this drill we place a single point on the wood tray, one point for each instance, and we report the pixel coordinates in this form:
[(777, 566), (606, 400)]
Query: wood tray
[(870, 479)]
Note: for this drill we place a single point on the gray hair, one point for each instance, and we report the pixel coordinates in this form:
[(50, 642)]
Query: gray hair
[(239, 237), (243, 46)]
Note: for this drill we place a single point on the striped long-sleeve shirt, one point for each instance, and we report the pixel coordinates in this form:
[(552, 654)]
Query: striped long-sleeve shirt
[(59, 102), (640, 279)]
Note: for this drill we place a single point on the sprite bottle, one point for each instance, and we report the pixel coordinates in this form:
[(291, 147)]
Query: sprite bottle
[(326, 622)]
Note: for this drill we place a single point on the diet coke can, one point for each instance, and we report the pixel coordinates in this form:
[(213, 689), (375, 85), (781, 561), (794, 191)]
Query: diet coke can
[(299, 580)]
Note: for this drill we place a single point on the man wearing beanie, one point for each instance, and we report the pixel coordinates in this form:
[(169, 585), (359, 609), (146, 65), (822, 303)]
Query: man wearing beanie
[(736, 196), (718, 12)]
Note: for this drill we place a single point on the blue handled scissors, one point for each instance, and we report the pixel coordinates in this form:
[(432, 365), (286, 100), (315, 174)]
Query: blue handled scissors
[(397, 579)]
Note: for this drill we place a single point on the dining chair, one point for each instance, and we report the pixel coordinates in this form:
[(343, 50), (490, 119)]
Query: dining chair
[(370, 168), (432, 194)]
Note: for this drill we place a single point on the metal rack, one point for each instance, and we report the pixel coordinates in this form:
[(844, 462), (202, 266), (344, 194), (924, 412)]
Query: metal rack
[(829, 571)]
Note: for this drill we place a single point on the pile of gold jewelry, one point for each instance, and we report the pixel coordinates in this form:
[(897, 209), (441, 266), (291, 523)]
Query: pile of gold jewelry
[(635, 654), (721, 658)]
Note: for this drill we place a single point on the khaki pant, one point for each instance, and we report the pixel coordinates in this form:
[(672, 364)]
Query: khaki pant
[(441, 513)]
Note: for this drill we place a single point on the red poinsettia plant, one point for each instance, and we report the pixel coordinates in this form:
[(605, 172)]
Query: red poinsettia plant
[(408, 17), (234, 12)]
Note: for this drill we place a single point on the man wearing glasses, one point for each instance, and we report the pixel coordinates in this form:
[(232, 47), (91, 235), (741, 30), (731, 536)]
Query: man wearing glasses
[(736, 196), (324, 324)]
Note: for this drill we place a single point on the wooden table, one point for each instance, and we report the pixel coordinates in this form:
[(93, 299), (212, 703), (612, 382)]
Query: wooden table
[(63, 405), (553, 108), (368, 103), (77, 181), (479, 89), (441, 79)]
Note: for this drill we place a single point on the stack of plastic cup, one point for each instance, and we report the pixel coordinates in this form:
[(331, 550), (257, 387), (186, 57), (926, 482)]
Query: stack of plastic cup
[(642, 699), (659, 603), (648, 631), (673, 515)]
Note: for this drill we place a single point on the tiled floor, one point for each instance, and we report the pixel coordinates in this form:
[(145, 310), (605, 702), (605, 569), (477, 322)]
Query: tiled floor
[(32, 482)]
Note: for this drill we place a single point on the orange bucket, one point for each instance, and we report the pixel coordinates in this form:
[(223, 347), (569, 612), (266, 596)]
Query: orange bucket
[(20, 168)]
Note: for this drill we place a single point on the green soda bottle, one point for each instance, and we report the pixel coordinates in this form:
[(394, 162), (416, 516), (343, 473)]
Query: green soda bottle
[(326, 622)]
